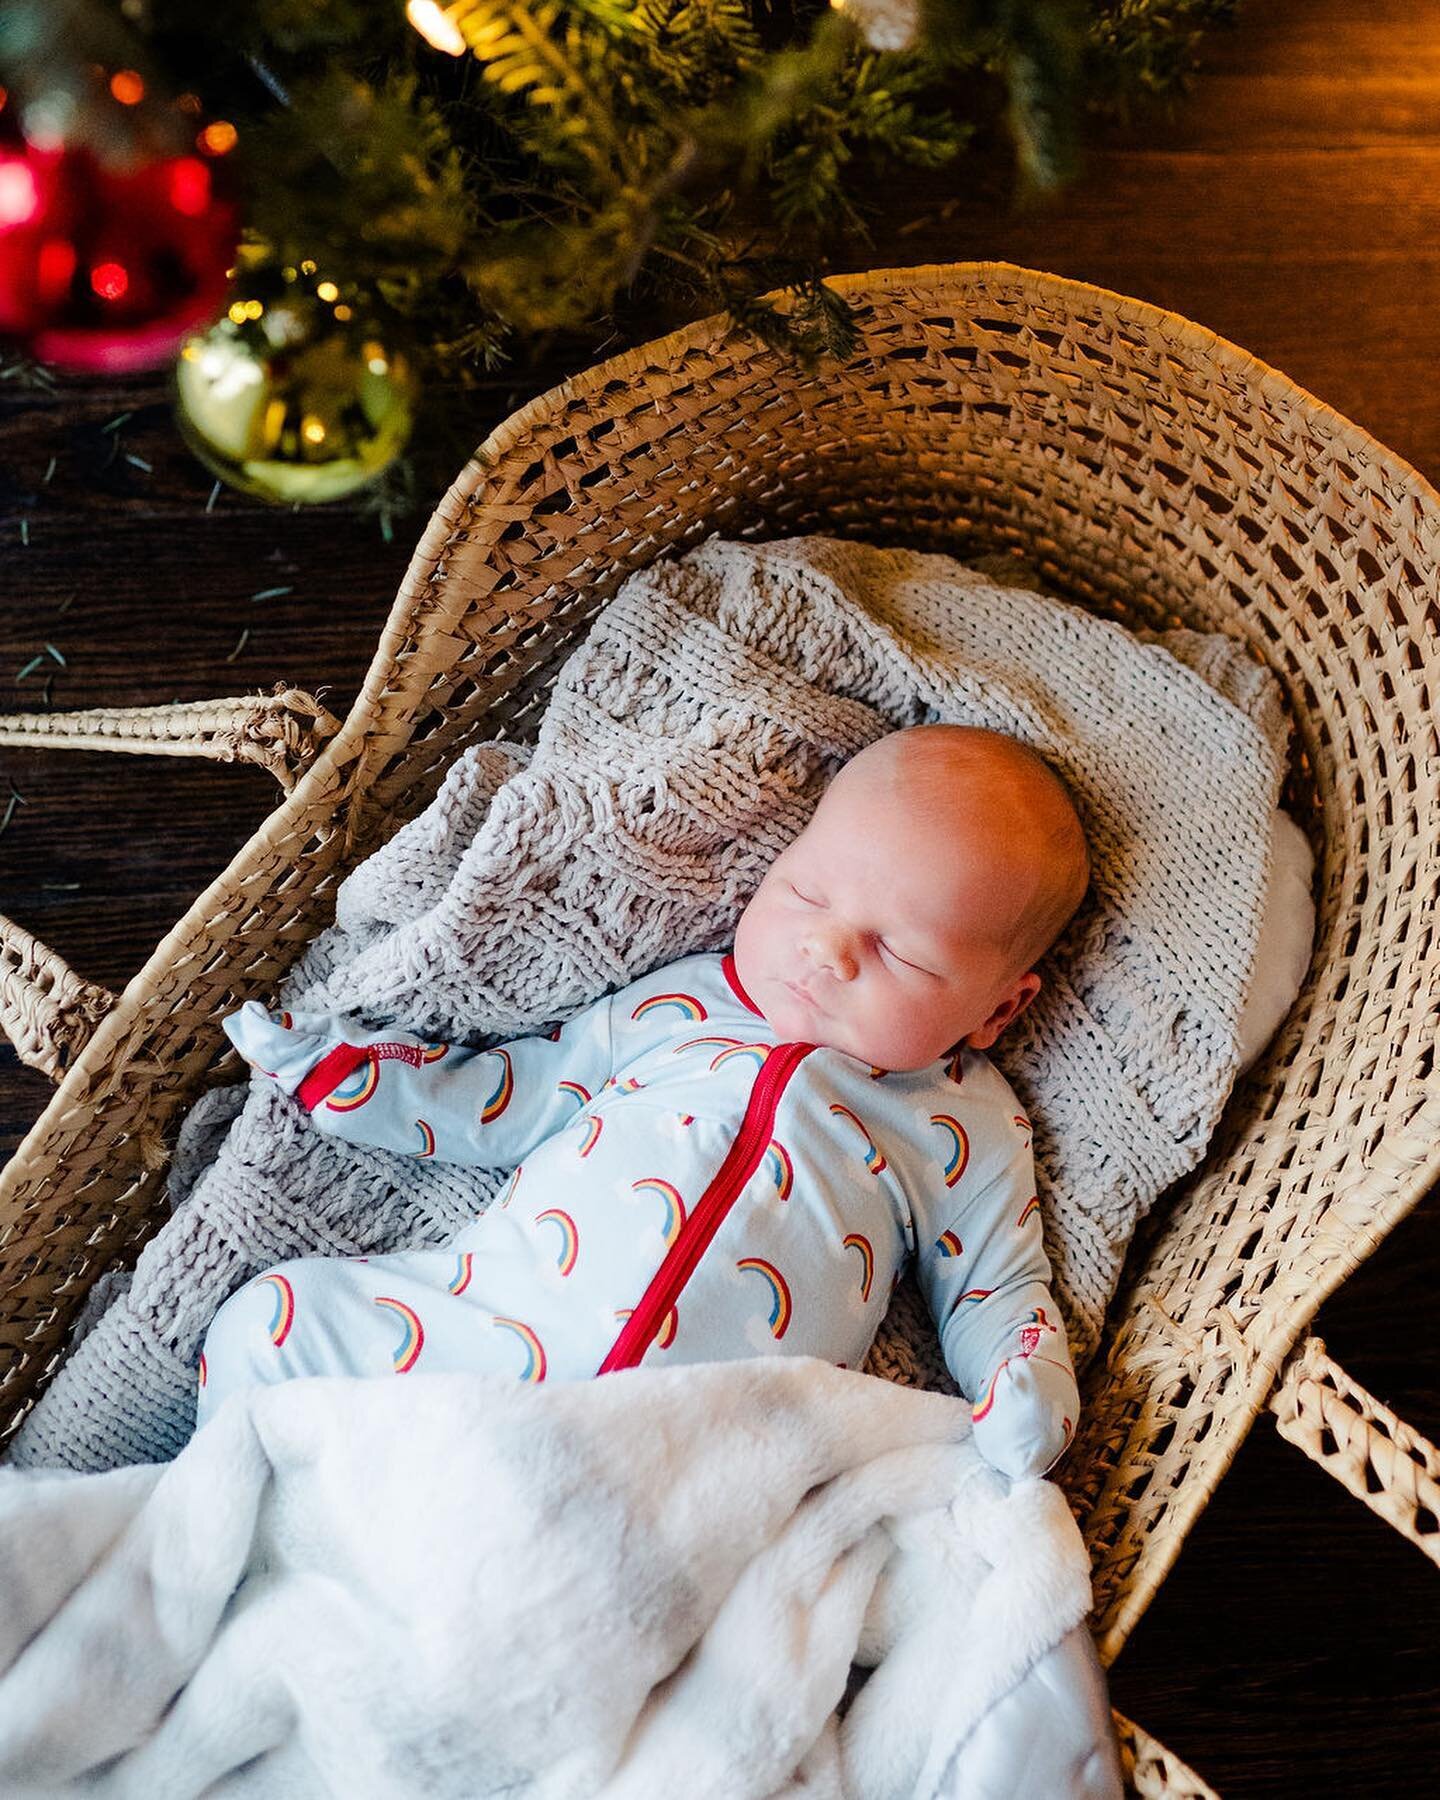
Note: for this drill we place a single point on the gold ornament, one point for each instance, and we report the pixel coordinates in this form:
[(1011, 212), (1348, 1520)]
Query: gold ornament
[(293, 394)]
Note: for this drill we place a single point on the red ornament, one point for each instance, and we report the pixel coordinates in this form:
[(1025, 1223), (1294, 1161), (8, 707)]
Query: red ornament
[(108, 268)]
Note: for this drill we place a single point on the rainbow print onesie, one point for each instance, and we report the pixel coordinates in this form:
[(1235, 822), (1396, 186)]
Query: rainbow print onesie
[(685, 1188)]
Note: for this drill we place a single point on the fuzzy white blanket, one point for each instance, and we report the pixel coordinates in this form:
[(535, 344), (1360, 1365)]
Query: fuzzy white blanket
[(460, 1586)]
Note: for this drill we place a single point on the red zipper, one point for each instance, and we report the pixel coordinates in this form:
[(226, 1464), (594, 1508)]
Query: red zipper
[(751, 1142)]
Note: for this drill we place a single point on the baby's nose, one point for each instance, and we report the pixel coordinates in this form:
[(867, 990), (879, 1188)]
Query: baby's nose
[(832, 951)]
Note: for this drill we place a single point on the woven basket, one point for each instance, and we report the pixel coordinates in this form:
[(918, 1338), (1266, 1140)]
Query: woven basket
[(1146, 469)]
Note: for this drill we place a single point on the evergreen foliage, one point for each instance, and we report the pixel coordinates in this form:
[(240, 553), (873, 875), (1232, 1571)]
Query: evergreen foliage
[(586, 149)]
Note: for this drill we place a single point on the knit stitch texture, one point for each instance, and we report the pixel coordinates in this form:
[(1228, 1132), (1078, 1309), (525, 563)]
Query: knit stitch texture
[(686, 743)]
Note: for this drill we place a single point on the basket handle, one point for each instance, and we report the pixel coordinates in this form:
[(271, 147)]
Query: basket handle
[(1150, 1770), (283, 731), (48, 1011), (1357, 1439)]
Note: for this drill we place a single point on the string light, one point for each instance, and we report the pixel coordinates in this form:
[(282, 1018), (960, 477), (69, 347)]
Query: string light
[(436, 26)]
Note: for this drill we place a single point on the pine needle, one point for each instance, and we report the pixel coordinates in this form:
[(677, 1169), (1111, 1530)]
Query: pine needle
[(139, 462), (58, 657), (244, 639), (25, 533), (214, 496), (117, 422), (51, 469), (33, 664), (272, 593)]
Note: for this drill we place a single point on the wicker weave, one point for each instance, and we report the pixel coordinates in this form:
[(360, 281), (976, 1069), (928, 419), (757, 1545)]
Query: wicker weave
[(1147, 469)]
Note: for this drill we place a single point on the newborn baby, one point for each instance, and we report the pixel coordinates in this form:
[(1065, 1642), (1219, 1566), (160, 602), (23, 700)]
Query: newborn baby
[(738, 1154)]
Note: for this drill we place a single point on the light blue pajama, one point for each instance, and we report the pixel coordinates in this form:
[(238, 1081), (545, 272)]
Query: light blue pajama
[(685, 1189)]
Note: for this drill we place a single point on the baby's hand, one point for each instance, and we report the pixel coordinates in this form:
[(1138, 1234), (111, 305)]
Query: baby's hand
[(1026, 1416)]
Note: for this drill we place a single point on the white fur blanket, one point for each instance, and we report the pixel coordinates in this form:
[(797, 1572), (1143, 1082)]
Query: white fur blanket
[(455, 1585)]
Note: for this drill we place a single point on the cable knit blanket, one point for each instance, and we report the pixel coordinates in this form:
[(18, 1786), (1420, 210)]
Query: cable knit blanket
[(685, 744), (463, 1586)]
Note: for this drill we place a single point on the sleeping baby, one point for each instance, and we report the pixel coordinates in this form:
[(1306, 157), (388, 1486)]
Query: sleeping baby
[(738, 1154)]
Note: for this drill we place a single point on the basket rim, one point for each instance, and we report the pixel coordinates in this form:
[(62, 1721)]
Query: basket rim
[(1270, 380)]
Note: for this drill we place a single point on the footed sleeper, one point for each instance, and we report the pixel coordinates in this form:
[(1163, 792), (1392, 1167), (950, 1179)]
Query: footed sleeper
[(685, 1189)]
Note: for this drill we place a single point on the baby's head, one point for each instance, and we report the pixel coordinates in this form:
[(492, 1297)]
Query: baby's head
[(941, 863)]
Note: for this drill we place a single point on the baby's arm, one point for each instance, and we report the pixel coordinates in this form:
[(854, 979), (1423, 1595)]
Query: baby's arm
[(488, 1108), (987, 1281)]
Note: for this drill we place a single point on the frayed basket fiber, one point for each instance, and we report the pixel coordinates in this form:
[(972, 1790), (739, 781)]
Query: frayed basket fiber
[(1140, 466)]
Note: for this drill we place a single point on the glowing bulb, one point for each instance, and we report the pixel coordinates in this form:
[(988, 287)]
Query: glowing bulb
[(127, 87), (342, 313), (327, 290), (109, 280), (19, 196), (189, 187), (313, 431), (436, 26), (238, 313), (218, 139)]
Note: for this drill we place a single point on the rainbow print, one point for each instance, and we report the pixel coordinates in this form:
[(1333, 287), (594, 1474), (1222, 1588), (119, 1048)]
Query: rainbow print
[(287, 1020), (412, 1341), (534, 1369), (957, 1153), (357, 1087), (756, 1052), (955, 1068), (1021, 1122), (569, 1237), (204, 1369), (674, 1216), (580, 1095), (284, 1315), (669, 1325), (427, 1139), (779, 1293), (694, 1043), (628, 1086), (974, 1295), (499, 1097), (592, 1134), (780, 1168), (461, 1278), (432, 1053), (983, 1405), (874, 1160), (948, 1244), (685, 1004), (510, 1187), (686, 1118), (1031, 1206), (876, 1071), (856, 1241)]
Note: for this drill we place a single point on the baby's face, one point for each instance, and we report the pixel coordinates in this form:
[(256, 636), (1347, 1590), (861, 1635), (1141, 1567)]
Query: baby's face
[(884, 933)]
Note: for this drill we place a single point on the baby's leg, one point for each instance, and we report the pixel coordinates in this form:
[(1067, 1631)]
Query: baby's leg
[(324, 1315)]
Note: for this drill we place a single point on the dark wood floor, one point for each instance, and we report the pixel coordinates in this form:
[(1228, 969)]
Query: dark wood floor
[(1291, 205)]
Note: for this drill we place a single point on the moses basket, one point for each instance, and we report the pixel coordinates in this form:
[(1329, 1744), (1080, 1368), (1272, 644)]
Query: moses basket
[(1144, 468)]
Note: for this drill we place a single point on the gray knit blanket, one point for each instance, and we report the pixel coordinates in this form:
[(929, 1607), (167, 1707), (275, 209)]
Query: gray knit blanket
[(685, 744)]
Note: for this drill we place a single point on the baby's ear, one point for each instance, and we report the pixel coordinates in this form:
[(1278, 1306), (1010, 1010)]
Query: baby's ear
[(1007, 1010)]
